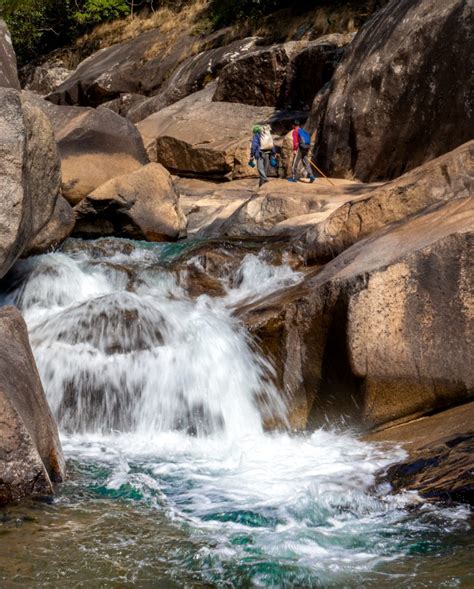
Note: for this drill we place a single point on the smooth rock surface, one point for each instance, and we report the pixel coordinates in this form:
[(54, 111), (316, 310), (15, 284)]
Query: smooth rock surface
[(95, 145), (208, 205), (402, 94), (286, 75), (57, 230), (139, 66), (284, 209), (141, 205), (31, 458), (8, 71), (447, 177), (191, 76), (383, 333), (30, 172), (440, 461), (198, 137)]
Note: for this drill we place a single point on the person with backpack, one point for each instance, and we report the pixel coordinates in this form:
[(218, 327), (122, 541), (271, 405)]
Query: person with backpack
[(261, 151), (301, 147)]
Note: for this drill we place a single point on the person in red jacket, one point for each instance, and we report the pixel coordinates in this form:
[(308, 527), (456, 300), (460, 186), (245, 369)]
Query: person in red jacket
[(301, 147)]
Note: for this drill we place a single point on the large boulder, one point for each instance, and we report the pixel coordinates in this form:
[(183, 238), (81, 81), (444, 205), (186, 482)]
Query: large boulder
[(191, 76), (95, 145), (30, 172), (45, 78), (287, 75), (57, 230), (402, 93), (141, 205), (31, 458), (449, 176), (198, 137), (8, 71), (383, 333), (139, 65)]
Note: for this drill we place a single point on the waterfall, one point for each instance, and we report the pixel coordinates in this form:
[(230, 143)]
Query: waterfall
[(120, 346)]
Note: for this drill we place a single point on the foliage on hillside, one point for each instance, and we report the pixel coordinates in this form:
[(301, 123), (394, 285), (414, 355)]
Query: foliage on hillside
[(40, 26)]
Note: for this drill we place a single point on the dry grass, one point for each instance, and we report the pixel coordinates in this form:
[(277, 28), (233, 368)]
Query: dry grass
[(170, 23), (194, 18)]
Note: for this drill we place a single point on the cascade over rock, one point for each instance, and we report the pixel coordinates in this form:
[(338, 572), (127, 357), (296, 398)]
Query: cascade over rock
[(198, 137), (95, 145), (140, 205), (402, 94), (30, 172), (382, 333), (31, 458)]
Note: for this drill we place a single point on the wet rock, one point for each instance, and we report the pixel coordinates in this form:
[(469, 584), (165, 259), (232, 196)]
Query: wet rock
[(191, 76), (449, 176), (141, 205), (95, 145), (401, 95), (198, 137), (285, 76), (8, 71), (30, 172), (31, 458), (440, 461), (381, 334), (58, 229)]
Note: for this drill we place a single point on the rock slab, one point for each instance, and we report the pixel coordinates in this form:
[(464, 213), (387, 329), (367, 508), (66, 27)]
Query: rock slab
[(402, 94), (31, 458), (30, 173)]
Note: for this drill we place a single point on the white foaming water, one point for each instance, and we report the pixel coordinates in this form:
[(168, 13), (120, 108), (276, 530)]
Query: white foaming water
[(124, 348), (168, 393)]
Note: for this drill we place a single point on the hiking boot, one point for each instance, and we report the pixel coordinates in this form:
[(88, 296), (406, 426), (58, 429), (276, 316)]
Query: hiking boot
[(292, 180), (312, 179)]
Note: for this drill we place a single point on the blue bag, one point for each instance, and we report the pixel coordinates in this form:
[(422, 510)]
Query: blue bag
[(304, 138)]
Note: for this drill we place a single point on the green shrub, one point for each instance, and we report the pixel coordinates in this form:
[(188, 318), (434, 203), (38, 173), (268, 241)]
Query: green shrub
[(96, 11)]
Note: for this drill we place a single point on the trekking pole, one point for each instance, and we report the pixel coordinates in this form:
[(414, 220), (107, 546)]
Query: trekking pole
[(322, 173)]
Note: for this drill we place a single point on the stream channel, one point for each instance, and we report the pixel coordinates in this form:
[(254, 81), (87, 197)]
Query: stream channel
[(172, 480)]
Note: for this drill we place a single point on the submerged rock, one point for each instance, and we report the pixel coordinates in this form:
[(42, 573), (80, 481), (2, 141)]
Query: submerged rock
[(381, 334), (30, 172), (31, 458), (401, 95), (141, 205)]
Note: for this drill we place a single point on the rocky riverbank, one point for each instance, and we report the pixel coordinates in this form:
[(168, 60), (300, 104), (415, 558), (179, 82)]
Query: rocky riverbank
[(143, 143)]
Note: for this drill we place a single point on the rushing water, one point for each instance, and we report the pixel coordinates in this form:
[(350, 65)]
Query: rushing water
[(161, 400)]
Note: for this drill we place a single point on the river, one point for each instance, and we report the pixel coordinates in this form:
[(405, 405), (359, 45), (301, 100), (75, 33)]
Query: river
[(161, 400)]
